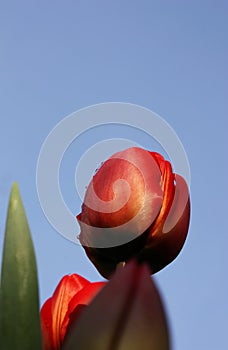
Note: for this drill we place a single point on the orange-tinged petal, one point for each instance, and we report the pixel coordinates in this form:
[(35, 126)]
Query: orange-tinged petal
[(67, 288), (168, 194), (46, 325), (55, 309), (78, 303), (124, 194)]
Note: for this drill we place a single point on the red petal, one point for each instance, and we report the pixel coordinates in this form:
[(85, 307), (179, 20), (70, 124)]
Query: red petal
[(161, 251), (46, 325), (77, 304), (124, 194), (53, 313), (177, 222), (168, 195)]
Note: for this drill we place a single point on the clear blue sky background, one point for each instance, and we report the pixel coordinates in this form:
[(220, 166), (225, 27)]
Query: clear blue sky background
[(169, 56)]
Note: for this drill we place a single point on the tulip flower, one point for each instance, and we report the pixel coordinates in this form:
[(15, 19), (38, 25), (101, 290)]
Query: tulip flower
[(135, 206), (72, 294), (126, 314)]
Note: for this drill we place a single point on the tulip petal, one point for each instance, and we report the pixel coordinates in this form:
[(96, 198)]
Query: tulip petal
[(55, 309), (133, 168), (146, 327), (78, 303), (167, 180), (163, 250), (46, 325), (180, 207), (101, 326), (102, 318)]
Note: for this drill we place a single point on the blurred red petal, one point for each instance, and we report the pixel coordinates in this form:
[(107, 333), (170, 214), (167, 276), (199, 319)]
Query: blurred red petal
[(102, 324), (98, 324), (146, 325)]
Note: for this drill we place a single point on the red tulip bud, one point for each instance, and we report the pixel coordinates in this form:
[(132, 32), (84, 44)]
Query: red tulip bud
[(135, 206), (71, 295)]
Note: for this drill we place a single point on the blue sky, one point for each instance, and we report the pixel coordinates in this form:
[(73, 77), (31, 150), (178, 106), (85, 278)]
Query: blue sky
[(168, 56)]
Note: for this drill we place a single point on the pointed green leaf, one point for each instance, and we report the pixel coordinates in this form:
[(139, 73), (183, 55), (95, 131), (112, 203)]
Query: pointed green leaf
[(19, 299)]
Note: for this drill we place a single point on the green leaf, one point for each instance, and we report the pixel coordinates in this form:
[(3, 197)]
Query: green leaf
[(19, 299)]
